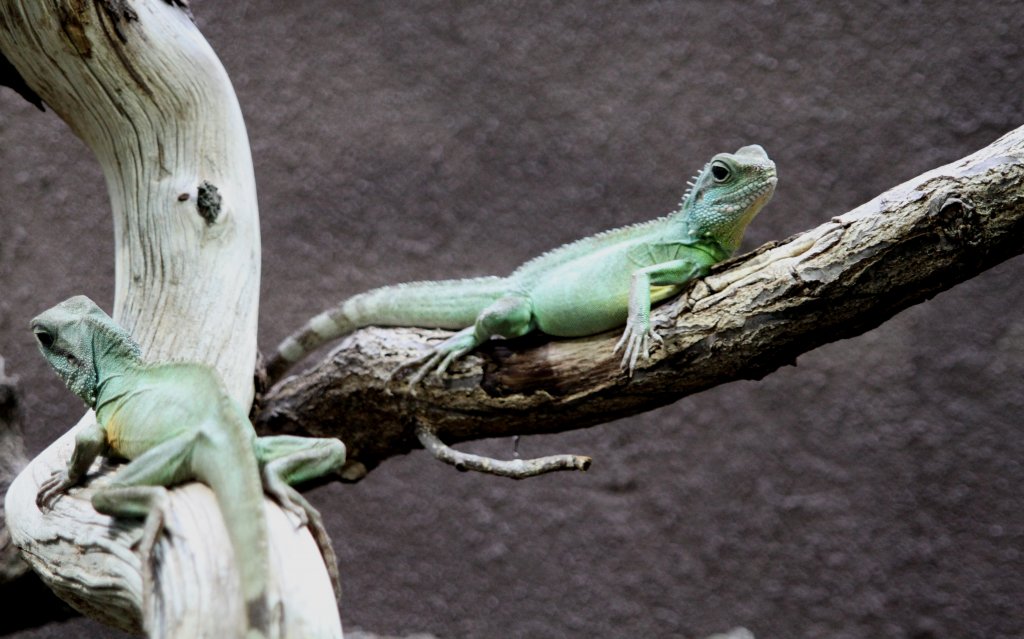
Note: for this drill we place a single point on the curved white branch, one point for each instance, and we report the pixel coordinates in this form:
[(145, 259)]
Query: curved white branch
[(140, 85)]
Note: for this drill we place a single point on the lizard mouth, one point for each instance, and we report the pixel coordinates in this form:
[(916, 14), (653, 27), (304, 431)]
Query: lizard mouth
[(756, 193)]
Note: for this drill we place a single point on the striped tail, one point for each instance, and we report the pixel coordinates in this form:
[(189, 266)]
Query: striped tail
[(451, 304)]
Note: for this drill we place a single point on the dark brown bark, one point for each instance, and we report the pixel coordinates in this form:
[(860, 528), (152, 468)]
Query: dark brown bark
[(752, 315), (10, 77), (20, 589), (12, 460)]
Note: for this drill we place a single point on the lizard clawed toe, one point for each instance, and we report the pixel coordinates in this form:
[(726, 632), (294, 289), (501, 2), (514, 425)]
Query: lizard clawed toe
[(146, 541), (636, 345), (53, 488), (287, 498)]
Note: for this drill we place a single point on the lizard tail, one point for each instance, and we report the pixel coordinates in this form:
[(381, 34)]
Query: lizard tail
[(451, 304), (234, 478)]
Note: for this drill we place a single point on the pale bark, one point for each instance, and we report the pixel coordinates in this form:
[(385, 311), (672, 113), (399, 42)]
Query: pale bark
[(750, 316), (139, 84)]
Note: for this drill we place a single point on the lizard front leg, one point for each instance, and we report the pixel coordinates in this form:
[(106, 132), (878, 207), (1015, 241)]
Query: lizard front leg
[(89, 443), (636, 339)]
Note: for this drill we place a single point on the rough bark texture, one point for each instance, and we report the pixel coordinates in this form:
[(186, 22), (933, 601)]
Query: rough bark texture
[(870, 491), (138, 83), (749, 317)]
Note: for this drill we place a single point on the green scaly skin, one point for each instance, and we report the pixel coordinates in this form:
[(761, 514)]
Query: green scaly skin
[(587, 287), (175, 423)]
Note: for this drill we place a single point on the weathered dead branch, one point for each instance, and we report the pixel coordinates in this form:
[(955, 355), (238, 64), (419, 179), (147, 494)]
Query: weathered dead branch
[(140, 85), (750, 316)]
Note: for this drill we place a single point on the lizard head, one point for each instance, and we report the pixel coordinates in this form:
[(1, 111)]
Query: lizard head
[(726, 195), (76, 337)]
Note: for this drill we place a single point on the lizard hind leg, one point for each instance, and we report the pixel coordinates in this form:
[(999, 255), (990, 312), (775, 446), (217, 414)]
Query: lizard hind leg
[(509, 316), (439, 358), (137, 491), (144, 502), (148, 502), (285, 460)]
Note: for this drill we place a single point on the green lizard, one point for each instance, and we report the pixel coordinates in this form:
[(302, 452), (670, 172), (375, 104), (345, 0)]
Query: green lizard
[(583, 288), (175, 422)]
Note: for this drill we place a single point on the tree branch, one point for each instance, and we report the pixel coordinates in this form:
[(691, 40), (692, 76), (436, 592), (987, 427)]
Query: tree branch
[(513, 468), (140, 85), (747, 318)]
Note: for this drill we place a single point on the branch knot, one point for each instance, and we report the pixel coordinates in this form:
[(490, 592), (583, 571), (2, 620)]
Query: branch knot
[(208, 202), (957, 216)]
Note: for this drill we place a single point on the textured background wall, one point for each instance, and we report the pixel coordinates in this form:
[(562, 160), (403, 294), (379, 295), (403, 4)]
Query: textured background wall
[(871, 491)]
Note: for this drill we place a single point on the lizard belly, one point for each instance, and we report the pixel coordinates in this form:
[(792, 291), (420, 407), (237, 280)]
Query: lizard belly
[(660, 293), (584, 297), (138, 423), (124, 440)]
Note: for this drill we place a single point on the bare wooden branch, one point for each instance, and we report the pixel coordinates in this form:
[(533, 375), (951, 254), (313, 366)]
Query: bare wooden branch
[(747, 318), (512, 468), (140, 85)]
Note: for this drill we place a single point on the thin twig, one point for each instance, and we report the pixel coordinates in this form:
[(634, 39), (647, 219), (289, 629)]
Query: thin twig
[(515, 468)]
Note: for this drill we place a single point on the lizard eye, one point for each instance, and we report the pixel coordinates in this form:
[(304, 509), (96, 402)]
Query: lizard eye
[(44, 336), (720, 171)]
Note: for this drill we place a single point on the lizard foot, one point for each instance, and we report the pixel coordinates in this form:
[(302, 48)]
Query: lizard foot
[(145, 546), (439, 358), (151, 529), (636, 341), (150, 503), (287, 497), (53, 488), (293, 502)]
